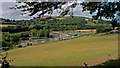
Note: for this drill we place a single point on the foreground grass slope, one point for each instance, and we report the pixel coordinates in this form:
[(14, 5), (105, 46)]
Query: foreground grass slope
[(92, 50)]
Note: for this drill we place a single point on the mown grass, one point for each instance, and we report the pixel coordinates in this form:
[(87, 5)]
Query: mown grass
[(66, 53)]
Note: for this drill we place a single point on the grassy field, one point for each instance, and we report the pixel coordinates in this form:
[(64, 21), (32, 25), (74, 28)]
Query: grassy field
[(73, 52), (60, 18), (4, 25)]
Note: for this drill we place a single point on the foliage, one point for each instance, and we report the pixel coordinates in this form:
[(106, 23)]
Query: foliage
[(24, 34), (108, 64), (5, 48), (14, 29), (109, 10), (104, 9), (103, 28), (9, 40), (40, 33), (54, 24), (5, 61), (44, 7), (46, 33), (19, 46), (33, 32), (30, 44), (25, 29)]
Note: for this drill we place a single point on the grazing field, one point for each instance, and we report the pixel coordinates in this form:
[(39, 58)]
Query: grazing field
[(73, 52), (60, 18), (5, 25)]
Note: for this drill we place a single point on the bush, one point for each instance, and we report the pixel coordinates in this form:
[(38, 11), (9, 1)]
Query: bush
[(25, 46), (20, 46), (111, 32), (108, 64), (5, 61), (30, 44), (5, 48), (107, 33)]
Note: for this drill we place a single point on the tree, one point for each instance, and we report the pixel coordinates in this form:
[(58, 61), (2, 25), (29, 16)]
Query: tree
[(8, 40), (108, 10), (44, 7), (33, 32), (40, 33), (5, 61), (24, 34), (46, 33)]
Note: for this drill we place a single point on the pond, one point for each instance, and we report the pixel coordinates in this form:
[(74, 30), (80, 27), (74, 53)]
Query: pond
[(56, 35), (50, 40), (41, 41), (24, 43), (33, 42), (56, 39), (67, 37)]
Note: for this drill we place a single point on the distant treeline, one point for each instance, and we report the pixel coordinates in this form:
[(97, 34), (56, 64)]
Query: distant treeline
[(57, 24)]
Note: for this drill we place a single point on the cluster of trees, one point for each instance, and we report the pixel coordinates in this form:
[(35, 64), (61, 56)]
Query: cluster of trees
[(15, 29), (65, 24), (9, 40), (19, 25), (103, 28), (108, 10), (35, 33), (75, 23), (54, 24), (40, 33)]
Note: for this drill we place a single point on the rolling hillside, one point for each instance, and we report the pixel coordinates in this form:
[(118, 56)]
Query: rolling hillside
[(92, 50)]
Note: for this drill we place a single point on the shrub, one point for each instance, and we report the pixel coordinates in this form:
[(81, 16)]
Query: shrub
[(108, 64), (111, 32), (107, 33), (20, 46), (30, 44), (5, 48), (5, 61), (25, 46)]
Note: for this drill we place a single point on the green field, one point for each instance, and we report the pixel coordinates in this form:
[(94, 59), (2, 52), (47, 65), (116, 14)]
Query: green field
[(73, 52), (6, 25)]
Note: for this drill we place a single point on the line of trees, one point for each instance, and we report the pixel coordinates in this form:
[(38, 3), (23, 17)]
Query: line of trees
[(53, 24)]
